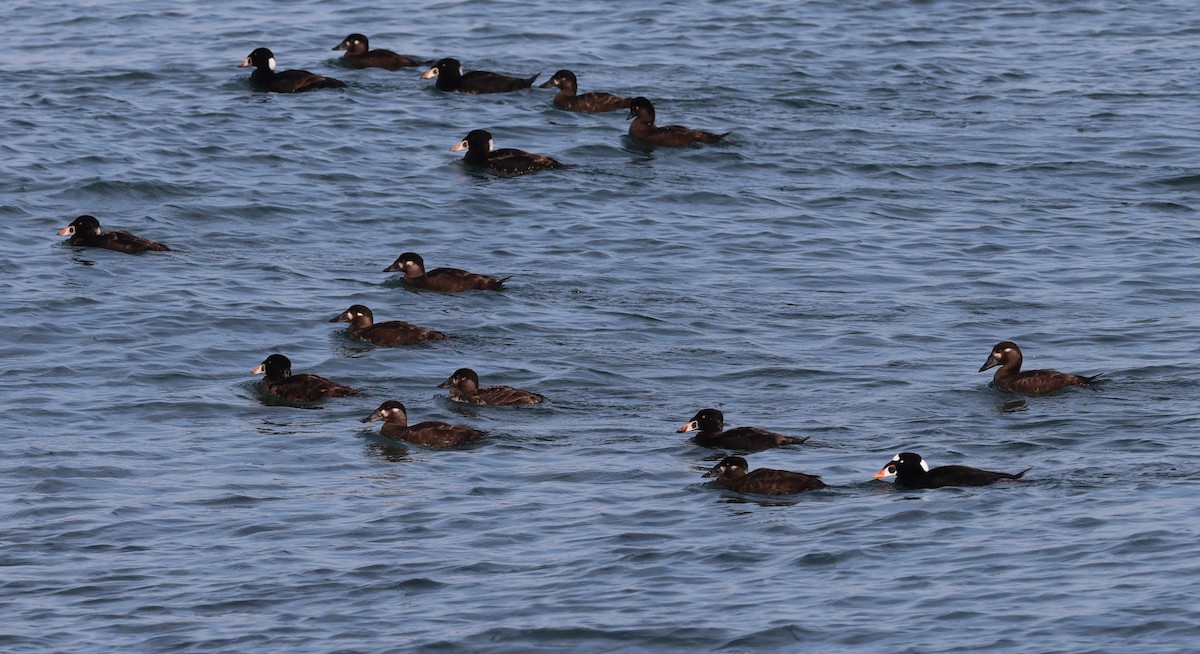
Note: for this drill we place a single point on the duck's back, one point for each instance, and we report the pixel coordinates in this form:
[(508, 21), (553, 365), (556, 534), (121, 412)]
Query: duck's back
[(306, 388), (1038, 382), (766, 481), (436, 434)]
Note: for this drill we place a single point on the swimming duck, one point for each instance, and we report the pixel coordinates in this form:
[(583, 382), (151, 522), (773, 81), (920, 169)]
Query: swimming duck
[(732, 474), (711, 423), (464, 387), (1010, 378), (360, 55), (478, 144), (446, 280), (289, 81), (912, 472), (280, 382), (85, 232), (430, 434), (594, 102), (450, 77), (391, 332), (643, 128)]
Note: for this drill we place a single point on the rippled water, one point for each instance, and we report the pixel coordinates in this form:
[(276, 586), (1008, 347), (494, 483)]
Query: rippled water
[(906, 184)]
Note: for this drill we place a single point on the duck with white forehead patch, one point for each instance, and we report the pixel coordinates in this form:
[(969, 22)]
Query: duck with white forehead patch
[(911, 472), (85, 232), (511, 161), (1011, 378), (450, 77), (265, 78)]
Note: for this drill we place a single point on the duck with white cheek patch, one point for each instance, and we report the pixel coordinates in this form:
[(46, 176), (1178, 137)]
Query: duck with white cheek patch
[(1012, 379)]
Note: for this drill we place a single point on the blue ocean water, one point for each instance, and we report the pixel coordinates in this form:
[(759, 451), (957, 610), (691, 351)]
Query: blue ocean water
[(906, 183)]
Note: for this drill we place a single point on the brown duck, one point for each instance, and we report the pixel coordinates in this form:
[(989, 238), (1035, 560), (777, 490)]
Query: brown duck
[(641, 112), (732, 474), (464, 387), (430, 434), (446, 280), (390, 332), (1011, 378)]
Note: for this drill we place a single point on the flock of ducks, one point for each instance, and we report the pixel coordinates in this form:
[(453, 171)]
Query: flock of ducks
[(450, 77), (733, 473)]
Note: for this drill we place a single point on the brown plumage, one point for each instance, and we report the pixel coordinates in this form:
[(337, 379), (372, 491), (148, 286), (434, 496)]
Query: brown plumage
[(478, 144), (430, 434), (360, 55), (594, 102), (450, 77), (731, 474), (1010, 377), (464, 387), (446, 280), (711, 424), (280, 382), (265, 78), (390, 332), (643, 128), (85, 232), (912, 472)]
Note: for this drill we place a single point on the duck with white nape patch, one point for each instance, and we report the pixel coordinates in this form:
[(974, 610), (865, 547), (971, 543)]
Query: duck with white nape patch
[(912, 472), (1012, 379), (480, 152), (264, 77)]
